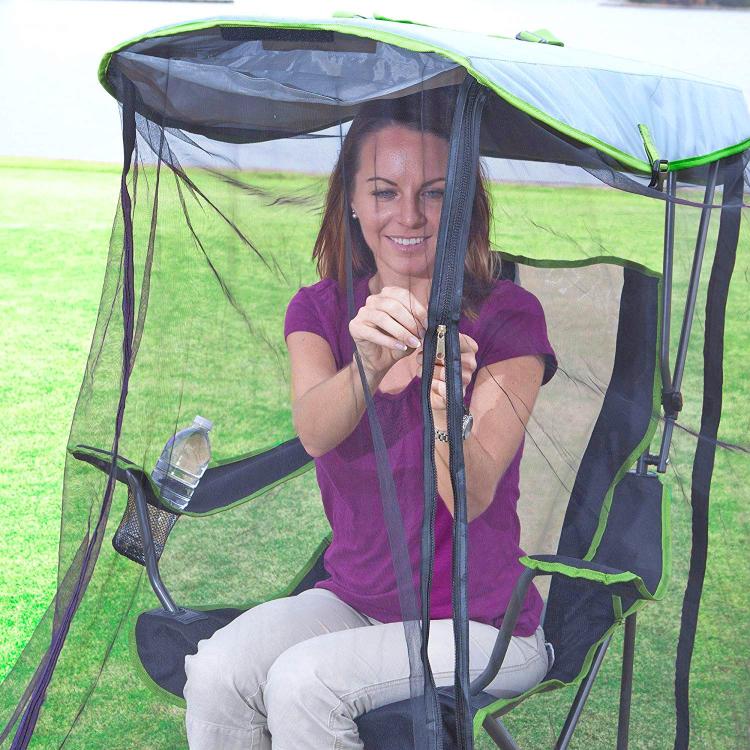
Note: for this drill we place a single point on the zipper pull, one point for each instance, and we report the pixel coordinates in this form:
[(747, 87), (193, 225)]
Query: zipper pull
[(440, 350)]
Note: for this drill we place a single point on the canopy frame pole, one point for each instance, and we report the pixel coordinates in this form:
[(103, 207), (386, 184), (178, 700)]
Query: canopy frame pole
[(672, 400)]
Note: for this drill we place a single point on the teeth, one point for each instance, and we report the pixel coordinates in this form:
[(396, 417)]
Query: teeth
[(408, 240)]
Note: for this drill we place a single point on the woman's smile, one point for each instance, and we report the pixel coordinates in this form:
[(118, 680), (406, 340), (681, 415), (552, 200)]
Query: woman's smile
[(409, 244)]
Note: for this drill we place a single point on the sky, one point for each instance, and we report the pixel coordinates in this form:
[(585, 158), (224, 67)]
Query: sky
[(54, 107)]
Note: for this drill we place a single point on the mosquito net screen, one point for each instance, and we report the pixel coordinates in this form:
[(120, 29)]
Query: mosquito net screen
[(427, 333)]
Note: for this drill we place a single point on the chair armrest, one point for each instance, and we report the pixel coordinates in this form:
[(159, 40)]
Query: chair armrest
[(619, 582), (222, 486)]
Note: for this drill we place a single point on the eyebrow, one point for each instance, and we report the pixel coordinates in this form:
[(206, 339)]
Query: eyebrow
[(391, 182)]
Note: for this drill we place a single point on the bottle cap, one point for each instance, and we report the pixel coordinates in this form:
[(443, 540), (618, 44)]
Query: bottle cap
[(206, 424)]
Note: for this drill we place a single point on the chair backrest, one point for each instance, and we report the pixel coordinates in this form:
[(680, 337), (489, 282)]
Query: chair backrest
[(612, 513)]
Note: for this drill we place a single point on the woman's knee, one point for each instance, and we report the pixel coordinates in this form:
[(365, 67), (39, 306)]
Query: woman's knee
[(292, 678), (210, 673)]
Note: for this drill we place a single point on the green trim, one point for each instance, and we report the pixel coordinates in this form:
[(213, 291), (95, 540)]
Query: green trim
[(581, 262), (171, 698), (627, 160), (607, 579), (617, 607), (642, 446), (648, 143), (699, 161), (666, 540), (540, 36)]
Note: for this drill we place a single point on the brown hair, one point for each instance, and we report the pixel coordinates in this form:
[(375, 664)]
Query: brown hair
[(426, 112)]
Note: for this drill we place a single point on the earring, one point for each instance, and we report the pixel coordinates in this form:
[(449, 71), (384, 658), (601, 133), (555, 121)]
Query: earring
[(354, 214)]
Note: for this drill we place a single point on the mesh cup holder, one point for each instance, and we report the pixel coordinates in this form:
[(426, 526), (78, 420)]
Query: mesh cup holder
[(127, 539)]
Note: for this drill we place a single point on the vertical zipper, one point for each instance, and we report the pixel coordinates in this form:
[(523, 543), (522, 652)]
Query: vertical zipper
[(445, 298), (457, 227)]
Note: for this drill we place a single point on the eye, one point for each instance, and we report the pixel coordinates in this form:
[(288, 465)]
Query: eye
[(434, 193), (384, 194)]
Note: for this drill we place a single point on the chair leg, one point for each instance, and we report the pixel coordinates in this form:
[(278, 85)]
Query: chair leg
[(499, 734), (626, 683), (574, 714)]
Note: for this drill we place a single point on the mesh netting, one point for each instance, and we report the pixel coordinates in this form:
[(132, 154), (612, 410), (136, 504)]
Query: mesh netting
[(267, 267)]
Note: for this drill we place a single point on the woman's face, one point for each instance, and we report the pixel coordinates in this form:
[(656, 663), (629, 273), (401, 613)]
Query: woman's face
[(398, 196)]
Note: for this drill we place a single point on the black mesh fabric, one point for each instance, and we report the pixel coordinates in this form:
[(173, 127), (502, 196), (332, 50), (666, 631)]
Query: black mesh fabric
[(128, 539)]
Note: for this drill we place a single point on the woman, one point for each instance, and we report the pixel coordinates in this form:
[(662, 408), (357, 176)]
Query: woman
[(295, 672)]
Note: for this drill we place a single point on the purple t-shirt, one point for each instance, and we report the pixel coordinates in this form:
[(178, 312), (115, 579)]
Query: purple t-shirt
[(510, 324)]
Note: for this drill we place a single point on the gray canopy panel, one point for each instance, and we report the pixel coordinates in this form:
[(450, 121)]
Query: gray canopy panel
[(207, 76)]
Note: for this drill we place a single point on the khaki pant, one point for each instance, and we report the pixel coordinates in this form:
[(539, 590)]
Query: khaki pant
[(294, 673)]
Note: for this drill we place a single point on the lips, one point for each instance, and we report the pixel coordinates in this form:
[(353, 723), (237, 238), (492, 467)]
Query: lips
[(409, 243)]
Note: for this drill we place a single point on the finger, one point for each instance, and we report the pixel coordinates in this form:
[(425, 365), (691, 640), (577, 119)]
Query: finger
[(439, 387), (468, 365), (438, 372), (392, 327), (398, 311), (375, 336), (467, 343), (408, 300)]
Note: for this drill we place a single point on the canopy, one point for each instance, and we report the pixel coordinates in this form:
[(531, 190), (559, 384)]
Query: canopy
[(594, 99)]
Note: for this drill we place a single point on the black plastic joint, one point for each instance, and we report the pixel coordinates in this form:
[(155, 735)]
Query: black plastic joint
[(672, 402), (659, 172)]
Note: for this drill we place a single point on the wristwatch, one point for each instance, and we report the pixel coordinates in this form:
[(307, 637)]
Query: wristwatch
[(466, 426)]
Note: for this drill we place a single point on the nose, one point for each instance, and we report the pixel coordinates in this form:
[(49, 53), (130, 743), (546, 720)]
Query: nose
[(412, 212)]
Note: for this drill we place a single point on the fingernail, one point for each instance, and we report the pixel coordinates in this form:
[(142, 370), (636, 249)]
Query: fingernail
[(414, 341), (402, 347)]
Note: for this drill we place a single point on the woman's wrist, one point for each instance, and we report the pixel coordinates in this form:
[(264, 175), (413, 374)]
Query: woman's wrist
[(373, 378)]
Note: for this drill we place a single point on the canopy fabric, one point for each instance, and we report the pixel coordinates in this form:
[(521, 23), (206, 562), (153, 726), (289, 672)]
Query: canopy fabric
[(595, 99)]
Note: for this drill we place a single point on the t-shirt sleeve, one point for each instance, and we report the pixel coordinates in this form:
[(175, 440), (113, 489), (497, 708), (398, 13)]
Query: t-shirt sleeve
[(513, 325), (302, 314)]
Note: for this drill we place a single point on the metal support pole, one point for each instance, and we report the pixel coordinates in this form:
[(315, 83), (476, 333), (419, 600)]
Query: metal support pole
[(672, 408), (504, 635), (582, 695), (646, 459), (666, 296), (149, 554), (499, 734), (626, 683)]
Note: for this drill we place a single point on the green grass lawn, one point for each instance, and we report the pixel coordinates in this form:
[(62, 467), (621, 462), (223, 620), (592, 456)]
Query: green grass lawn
[(55, 224)]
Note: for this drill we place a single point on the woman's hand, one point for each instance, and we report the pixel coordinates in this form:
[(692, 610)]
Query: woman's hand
[(387, 328), (438, 397)]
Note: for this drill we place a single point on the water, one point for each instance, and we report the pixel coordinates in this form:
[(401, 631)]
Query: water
[(54, 107), (182, 464)]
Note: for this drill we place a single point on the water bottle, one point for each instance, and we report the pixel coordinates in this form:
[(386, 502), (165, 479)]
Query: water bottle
[(182, 463)]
